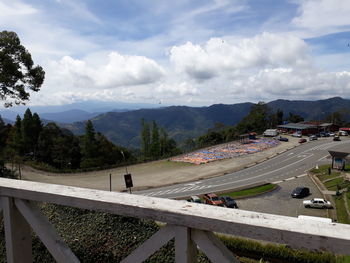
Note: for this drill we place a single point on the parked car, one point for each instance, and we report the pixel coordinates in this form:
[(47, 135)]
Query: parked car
[(313, 138), (331, 134), (317, 203), (324, 134), (336, 138), (212, 199), (297, 134), (195, 199), (300, 192), (229, 202), (343, 133), (302, 140), (283, 139)]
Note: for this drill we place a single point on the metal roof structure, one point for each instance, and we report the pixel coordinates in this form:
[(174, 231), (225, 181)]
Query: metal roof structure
[(297, 126), (325, 124), (335, 154)]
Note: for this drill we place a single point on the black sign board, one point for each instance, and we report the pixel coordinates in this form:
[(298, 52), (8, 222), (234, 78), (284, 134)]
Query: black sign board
[(128, 180)]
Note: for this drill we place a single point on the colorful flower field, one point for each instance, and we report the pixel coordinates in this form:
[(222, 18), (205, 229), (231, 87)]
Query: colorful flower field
[(226, 151)]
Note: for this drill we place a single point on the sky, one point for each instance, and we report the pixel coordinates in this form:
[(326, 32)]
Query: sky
[(183, 52)]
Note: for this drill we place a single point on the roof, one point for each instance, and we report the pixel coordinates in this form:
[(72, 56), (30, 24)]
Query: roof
[(297, 126), (319, 199), (338, 154), (325, 124)]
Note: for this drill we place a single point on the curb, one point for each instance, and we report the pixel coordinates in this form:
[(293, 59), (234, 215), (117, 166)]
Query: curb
[(319, 186)]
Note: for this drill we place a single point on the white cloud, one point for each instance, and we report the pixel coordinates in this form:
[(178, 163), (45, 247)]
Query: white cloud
[(119, 71), (323, 13), (182, 89), (219, 56)]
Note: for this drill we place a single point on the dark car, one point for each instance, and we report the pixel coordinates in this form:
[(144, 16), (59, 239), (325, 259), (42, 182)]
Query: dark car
[(283, 139), (336, 138), (302, 140), (300, 192), (229, 202)]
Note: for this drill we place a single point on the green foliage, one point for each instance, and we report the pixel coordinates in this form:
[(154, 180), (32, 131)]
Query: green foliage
[(342, 215), (209, 139), (159, 145), (337, 117), (258, 119), (252, 191), (145, 139), (295, 118), (53, 148), (18, 75), (275, 253), (155, 145)]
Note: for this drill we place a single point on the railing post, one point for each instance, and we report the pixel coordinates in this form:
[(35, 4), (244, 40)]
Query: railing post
[(17, 233), (185, 248)]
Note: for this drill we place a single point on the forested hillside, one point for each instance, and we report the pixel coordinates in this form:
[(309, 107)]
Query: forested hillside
[(183, 122)]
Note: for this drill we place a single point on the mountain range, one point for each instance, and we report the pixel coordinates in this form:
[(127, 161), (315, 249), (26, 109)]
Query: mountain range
[(123, 125), (182, 122), (74, 112)]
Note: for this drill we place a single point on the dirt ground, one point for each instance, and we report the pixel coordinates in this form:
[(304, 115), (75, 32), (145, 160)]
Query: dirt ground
[(154, 174)]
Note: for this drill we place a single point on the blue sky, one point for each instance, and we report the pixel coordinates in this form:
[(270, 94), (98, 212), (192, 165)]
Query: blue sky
[(182, 52)]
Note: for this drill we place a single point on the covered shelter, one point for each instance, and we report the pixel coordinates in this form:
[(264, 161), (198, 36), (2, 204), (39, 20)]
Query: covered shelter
[(302, 128), (328, 127), (338, 159)]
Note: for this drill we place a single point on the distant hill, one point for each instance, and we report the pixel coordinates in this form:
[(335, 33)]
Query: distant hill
[(313, 110), (181, 122), (69, 116)]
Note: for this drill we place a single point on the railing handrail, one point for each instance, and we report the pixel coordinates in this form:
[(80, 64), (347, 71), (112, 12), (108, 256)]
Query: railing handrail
[(261, 226)]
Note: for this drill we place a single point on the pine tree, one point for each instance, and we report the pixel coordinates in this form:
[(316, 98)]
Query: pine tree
[(89, 147), (27, 132), (145, 139), (155, 145)]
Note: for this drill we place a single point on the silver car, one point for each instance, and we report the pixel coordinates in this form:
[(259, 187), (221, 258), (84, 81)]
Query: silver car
[(317, 203)]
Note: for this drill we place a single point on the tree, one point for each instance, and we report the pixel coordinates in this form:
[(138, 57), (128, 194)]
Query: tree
[(145, 139), (155, 145), (27, 132), (295, 118), (18, 75), (258, 119), (336, 118), (90, 148)]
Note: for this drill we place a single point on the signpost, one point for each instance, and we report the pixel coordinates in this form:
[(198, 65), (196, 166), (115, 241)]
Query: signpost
[(128, 181), (127, 176)]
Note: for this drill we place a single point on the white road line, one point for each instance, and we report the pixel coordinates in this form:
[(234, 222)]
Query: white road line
[(277, 182)]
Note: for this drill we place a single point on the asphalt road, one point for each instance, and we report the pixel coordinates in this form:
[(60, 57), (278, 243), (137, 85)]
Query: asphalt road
[(286, 166)]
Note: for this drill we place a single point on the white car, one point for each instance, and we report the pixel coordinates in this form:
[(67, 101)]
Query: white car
[(296, 134), (317, 203)]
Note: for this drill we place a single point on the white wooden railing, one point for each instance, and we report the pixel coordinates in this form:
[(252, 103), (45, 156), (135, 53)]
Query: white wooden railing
[(191, 224)]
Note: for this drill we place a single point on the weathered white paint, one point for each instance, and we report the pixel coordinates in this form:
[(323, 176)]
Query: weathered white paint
[(280, 229), (152, 244), (185, 248), (17, 234), (46, 232), (213, 247)]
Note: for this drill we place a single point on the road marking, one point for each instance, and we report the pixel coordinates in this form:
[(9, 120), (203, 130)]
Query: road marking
[(322, 158)]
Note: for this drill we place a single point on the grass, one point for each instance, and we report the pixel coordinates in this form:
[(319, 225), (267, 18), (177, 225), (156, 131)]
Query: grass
[(348, 197), (332, 185), (322, 172), (341, 211), (252, 191)]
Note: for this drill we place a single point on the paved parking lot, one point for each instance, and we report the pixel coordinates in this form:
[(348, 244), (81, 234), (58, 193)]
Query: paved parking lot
[(280, 202)]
